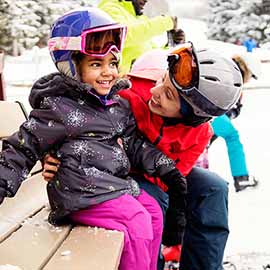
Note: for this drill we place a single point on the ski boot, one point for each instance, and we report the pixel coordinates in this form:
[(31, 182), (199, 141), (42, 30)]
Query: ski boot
[(172, 257), (244, 181), (228, 266)]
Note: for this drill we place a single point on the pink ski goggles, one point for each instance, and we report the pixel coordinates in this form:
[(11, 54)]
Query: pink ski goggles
[(95, 42)]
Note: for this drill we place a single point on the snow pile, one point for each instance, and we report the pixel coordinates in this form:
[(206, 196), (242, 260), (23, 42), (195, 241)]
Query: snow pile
[(247, 261)]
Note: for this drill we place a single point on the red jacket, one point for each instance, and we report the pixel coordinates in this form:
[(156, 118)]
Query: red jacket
[(184, 144)]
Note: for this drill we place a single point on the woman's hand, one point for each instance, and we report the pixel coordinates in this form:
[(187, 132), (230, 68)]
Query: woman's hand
[(50, 167)]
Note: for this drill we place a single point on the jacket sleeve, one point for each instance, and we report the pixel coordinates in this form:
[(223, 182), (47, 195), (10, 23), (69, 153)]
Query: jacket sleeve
[(143, 155), (188, 158), (22, 150), (141, 26), (148, 28)]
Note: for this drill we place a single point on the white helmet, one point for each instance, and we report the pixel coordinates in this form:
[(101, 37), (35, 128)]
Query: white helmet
[(215, 84)]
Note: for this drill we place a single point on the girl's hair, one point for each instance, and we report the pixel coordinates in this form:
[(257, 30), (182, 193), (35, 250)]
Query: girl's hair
[(77, 57)]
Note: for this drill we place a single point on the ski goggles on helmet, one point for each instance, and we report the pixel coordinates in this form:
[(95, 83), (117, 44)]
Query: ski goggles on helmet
[(185, 77), (183, 66), (95, 42)]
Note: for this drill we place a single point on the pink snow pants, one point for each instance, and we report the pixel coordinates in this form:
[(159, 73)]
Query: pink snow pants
[(141, 221)]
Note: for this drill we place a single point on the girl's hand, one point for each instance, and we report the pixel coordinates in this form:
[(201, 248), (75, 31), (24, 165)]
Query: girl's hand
[(120, 142), (50, 167)]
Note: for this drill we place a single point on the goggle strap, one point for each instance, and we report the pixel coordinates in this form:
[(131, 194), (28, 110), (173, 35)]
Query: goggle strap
[(172, 59), (65, 43), (72, 67)]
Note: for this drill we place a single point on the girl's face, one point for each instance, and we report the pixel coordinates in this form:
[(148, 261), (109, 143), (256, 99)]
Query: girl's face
[(100, 72), (165, 100)]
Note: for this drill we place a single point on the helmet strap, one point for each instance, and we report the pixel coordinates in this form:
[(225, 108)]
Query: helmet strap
[(68, 68), (185, 108), (72, 67)]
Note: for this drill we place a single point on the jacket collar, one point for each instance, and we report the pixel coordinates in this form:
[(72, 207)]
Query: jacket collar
[(57, 84)]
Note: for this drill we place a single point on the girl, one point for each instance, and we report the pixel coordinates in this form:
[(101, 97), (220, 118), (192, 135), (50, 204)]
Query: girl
[(77, 115)]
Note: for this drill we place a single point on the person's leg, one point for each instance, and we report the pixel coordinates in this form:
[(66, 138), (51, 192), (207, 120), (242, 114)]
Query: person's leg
[(163, 200), (153, 208), (155, 191), (224, 128), (124, 214), (207, 230)]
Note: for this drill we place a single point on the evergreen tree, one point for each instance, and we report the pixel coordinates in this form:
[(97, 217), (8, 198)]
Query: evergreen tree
[(221, 13), (237, 20), (5, 17), (26, 23)]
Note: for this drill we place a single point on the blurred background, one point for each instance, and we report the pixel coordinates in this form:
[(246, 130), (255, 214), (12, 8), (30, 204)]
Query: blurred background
[(25, 23), (223, 25)]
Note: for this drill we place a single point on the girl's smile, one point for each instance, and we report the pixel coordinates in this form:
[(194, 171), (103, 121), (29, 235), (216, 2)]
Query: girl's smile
[(99, 72)]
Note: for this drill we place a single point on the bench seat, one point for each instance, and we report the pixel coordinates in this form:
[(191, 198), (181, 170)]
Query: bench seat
[(29, 242)]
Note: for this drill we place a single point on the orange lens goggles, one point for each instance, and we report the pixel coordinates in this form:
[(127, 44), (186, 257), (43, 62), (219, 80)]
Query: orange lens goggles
[(183, 66)]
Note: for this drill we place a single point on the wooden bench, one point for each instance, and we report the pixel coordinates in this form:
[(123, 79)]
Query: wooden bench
[(29, 242)]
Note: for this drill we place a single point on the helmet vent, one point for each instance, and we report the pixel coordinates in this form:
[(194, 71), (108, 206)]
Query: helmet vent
[(211, 78), (207, 62), (237, 84)]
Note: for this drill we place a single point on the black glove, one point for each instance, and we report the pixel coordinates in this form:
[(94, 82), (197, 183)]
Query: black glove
[(175, 220), (235, 111), (176, 37), (175, 181), (176, 214)]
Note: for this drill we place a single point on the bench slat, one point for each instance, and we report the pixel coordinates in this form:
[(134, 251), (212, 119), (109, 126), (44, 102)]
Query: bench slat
[(33, 244), (30, 198), (89, 248)]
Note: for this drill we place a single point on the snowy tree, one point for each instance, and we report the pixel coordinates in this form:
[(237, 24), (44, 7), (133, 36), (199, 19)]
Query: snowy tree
[(50, 10), (221, 12), (26, 23), (5, 17), (232, 20)]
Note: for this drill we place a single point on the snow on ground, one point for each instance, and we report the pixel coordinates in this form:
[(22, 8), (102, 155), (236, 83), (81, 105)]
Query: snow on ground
[(249, 241)]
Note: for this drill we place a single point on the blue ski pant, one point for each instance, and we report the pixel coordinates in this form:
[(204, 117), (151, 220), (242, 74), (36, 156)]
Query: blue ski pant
[(207, 229), (223, 127)]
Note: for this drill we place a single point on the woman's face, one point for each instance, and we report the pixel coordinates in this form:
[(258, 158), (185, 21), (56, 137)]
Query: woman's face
[(100, 72), (165, 100)]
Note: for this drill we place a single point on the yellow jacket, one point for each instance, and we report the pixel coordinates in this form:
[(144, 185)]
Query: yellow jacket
[(141, 29)]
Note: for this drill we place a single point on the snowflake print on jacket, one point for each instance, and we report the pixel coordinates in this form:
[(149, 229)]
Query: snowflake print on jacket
[(69, 120)]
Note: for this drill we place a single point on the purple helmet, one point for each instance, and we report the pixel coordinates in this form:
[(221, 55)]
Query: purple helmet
[(80, 30)]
